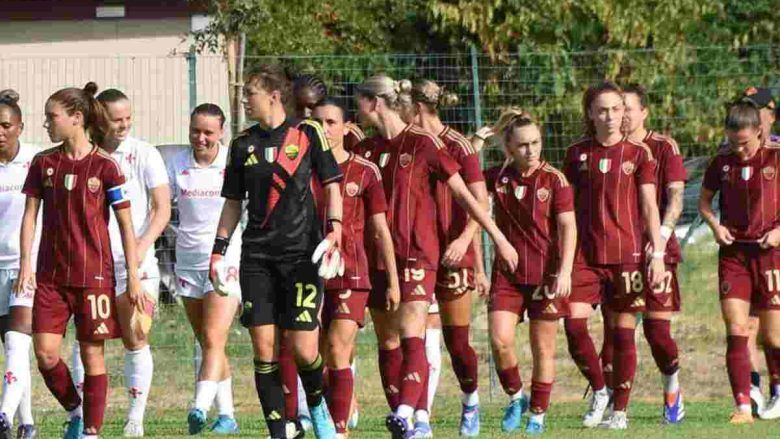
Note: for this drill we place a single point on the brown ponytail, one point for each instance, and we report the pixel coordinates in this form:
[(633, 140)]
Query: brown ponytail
[(83, 100), (432, 95)]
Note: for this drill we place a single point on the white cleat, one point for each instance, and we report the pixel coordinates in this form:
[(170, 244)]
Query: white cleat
[(617, 421), (598, 405), (134, 428), (772, 409), (757, 401)]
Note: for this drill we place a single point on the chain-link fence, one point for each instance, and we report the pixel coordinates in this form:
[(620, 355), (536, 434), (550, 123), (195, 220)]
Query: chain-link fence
[(688, 89)]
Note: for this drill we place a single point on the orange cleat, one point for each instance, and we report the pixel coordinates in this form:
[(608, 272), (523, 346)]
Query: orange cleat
[(739, 418)]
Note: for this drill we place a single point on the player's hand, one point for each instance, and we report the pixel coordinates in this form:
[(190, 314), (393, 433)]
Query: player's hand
[(392, 298), (218, 276), (562, 285), (649, 248), (25, 282), (482, 283), (328, 257), (479, 138), (656, 271), (722, 235), (455, 252), (507, 254), (334, 235), (135, 293), (771, 239)]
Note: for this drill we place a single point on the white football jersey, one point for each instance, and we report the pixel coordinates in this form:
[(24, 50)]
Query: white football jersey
[(12, 201), (144, 170), (198, 193)]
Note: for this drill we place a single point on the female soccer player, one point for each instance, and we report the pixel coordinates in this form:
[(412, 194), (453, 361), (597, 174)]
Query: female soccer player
[(461, 265), (748, 235), (196, 175), (614, 184), (272, 164), (77, 182), (15, 310), (663, 301), (346, 296), (150, 199), (410, 160), (534, 205)]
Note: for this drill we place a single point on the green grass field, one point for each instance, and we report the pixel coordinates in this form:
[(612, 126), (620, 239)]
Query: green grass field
[(698, 330)]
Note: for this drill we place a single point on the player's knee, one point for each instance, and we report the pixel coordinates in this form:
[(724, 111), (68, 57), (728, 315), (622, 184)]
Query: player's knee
[(213, 339), (736, 328), (46, 358), (501, 343)]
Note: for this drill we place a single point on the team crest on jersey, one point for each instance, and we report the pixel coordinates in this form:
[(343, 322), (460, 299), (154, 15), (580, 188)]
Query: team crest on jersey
[(520, 192), (49, 171), (746, 172), (93, 184), (628, 168), (543, 194), (291, 151), (352, 189), (70, 181), (405, 160), (383, 159), (769, 172), (605, 165), (270, 154)]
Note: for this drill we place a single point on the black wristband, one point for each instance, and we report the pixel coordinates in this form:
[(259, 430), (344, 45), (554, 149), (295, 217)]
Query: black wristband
[(220, 246)]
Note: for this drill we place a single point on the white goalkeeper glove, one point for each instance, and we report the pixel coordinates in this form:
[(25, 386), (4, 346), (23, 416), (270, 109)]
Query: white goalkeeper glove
[(222, 285), (330, 261)]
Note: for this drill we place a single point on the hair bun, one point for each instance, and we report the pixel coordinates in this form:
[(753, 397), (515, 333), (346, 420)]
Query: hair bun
[(9, 95), (91, 89), (448, 100), (404, 86)]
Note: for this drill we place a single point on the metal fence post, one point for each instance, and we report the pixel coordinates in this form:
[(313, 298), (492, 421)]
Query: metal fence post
[(192, 67)]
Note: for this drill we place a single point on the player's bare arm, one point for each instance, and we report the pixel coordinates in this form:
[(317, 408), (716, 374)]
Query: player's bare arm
[(334, 215), (721, 233), (481, 280), (159, 215), (26, 277), (228, 220), (458, 247), (674, 207), (461, 193), (567, 229), (649, 207), (134, 292), (384, 242)]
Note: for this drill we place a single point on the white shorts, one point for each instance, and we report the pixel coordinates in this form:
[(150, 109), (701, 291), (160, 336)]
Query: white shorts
[(195, 284), (434, 308), (7, 297), (149, 273)]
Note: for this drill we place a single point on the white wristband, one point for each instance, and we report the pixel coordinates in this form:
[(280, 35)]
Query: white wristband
[(666, 232), (658, 255)]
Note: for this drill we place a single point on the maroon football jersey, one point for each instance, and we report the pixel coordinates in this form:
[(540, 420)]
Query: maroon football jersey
[(526, 210), (749, 191), (75, 249), (606, 182), (363, 197), (452, 218), (410, 164), (353, 137), (669, 169)]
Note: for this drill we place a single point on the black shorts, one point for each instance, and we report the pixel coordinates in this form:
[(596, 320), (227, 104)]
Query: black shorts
[(287, 294)]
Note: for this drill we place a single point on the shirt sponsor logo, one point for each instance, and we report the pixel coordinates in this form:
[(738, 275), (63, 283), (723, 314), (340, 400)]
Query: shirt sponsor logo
[(405, 160), (10, 187), (352, 189), (383, 159), (605, 165), (769, 172), (291, 151), (270, 154), (543, 194), (746, 173), (628, 168), (70, 181), (93, 184), (200, 193), (520, 192)]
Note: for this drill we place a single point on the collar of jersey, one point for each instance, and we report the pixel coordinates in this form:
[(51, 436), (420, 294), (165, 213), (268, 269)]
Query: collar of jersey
[(217, 163)]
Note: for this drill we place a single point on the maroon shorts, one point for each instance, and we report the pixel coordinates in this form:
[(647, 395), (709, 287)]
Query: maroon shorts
[(666, 297), (620, 287), (94, 311), (345, 305), (748, 273), (453, 283), (517, 298), (416, 285)]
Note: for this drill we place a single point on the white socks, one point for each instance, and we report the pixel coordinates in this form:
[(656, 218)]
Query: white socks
[(303, 406), (224, 401), (139, 369), (16, 385), (77, 368), (433, 352), (422, 416), (205, 392), (519, 394), (671, 382), (404, 411), (470, 399)]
